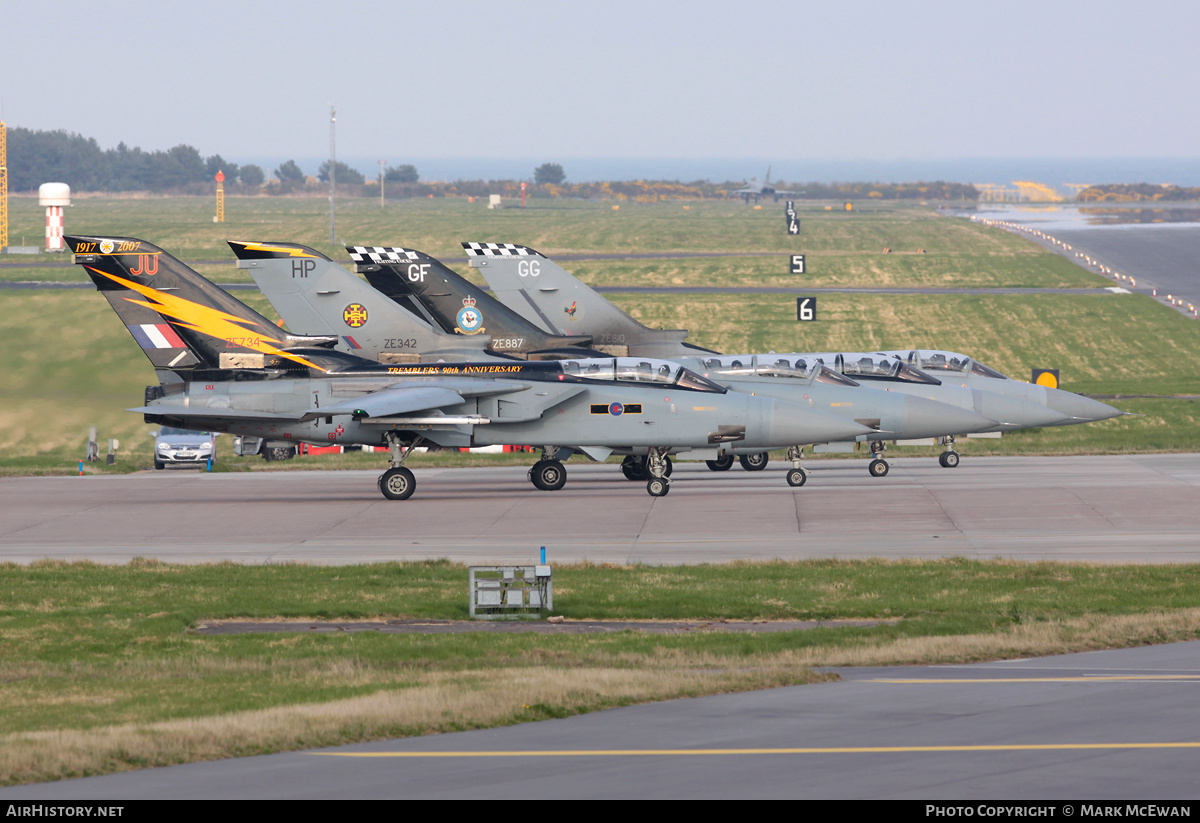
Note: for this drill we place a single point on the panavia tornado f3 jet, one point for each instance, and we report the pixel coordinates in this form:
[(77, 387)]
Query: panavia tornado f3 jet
[(224, 367), (423, 284), (543, 292)]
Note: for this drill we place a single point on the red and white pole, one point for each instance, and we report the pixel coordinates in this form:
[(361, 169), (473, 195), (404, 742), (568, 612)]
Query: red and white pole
[(54, 228)]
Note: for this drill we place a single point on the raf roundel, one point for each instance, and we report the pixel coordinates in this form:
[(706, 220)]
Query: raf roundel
[(616, 409), (355, 315)]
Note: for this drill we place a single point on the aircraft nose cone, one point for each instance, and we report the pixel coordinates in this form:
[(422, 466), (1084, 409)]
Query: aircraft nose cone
[(930, 418), (1013, 413), (792, 425), (1078, 408)]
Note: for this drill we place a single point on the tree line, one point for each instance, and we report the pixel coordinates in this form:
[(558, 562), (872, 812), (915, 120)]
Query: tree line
[(36, 157)]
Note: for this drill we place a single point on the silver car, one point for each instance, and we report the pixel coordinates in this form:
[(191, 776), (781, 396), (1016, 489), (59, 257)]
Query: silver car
[(178, 447)]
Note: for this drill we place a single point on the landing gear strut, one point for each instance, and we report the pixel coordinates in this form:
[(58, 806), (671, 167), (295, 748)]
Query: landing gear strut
[(796, 475), (949, 458), (878, 466), (657, 466), (398, 483)]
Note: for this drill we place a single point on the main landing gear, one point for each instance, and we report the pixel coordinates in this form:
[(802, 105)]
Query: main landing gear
[(548, 474), (949, 458), (722, 464), (398, 483), (754, 462)]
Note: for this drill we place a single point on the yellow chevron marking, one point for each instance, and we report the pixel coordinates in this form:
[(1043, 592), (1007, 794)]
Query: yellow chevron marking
[(207, 320), (274, 249)]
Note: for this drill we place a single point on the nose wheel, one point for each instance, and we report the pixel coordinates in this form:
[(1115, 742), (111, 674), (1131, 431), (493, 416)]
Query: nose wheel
[(878, 467), (658, 486), (949, 458)]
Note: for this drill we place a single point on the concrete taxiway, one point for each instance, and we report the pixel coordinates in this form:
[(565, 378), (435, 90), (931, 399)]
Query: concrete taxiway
[(1111, 724), (1128, 509)]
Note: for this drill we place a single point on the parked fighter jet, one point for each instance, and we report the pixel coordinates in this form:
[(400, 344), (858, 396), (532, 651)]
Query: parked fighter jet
[(888, 414), (310, 291), (536, 287), (224, 367), (762, 188), (429, 289), (960, 369)]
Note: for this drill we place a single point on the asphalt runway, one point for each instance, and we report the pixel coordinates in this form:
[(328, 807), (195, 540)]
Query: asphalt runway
[(1166, 256), (1128, 509), (1086, 727)]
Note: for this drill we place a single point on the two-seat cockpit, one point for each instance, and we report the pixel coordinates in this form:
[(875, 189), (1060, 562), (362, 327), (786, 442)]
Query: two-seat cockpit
[(770, 365), (942, 362), (639, 370)]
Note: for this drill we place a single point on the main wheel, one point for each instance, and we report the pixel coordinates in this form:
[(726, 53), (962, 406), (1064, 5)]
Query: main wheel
[(722, 464), (397, 484), (631, 467), (548, 475), (796, 477), (754, 462), (279, 453), (949, 460), (658, 486), (878, 468)]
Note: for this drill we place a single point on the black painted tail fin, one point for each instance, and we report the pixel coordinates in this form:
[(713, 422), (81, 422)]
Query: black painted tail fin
[(181, 320)]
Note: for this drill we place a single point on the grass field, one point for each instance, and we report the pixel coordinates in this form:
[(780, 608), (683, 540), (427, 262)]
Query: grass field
[(102, 668), (843, 249)]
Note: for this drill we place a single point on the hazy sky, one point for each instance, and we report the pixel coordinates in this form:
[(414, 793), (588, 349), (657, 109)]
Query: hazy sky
[(526, 78)]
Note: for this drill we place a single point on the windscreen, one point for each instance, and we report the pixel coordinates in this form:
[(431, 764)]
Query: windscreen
[(932, 360)]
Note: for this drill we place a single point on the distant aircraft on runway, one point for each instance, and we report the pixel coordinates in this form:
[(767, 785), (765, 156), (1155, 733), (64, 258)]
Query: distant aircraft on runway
[(762, 188), (224, 367)]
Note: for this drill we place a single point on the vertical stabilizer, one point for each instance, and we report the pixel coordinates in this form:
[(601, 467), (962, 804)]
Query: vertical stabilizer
[(460, 307), (534, 286), (315, 294), (181, 320)]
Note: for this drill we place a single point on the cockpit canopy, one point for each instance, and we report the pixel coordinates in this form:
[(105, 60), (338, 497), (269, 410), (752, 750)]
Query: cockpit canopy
[(801, 367), (854, 365), (639, 370), (946, 361)]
